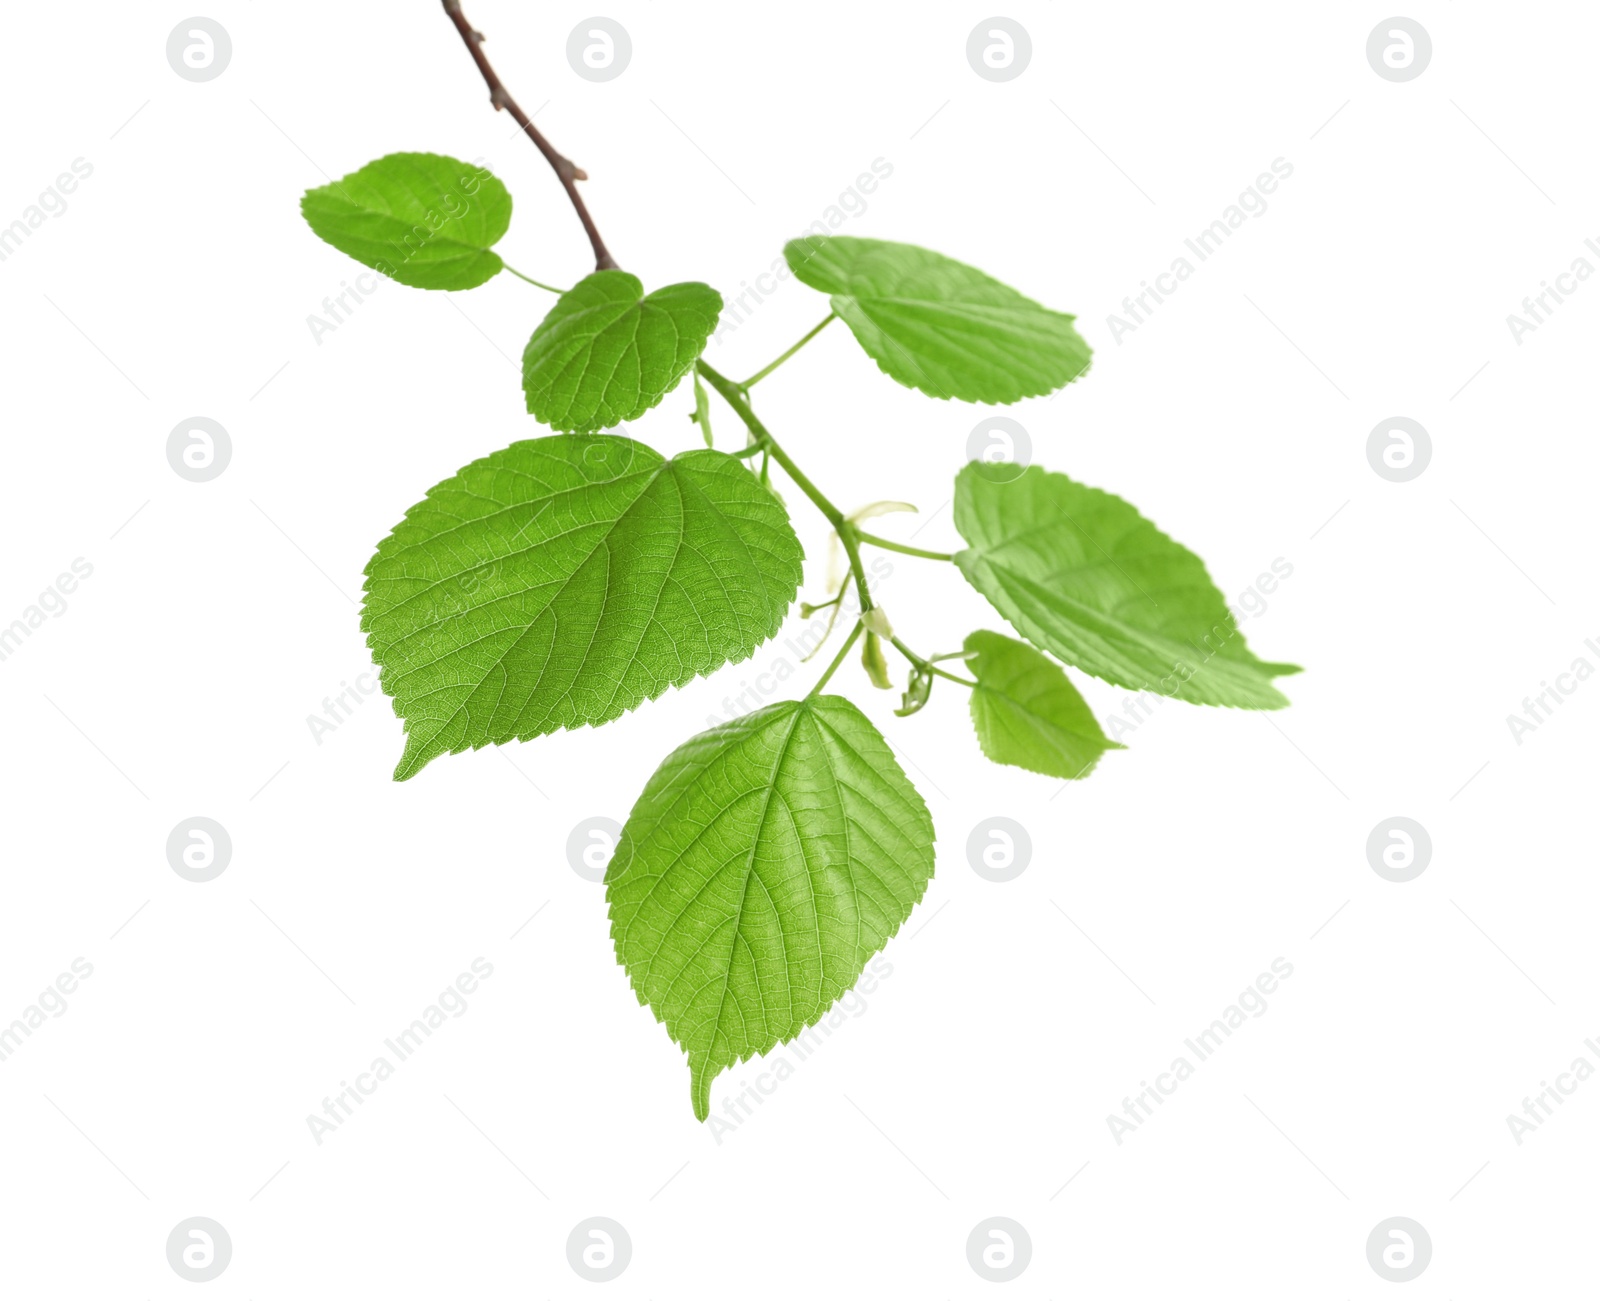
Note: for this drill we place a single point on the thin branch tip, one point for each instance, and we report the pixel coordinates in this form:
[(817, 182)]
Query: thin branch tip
[(500, 98)]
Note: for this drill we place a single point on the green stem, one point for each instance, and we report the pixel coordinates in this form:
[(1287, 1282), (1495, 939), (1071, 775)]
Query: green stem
[(837, 660), (927, 666), (902, 548), (768, 369), (551, 288), (848, 534), (749, 450)]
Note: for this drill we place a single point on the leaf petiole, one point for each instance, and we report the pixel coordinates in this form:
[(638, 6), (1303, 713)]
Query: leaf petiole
[(538, 283), (873, 540), (928, 666), (837, 660), (772, 366)]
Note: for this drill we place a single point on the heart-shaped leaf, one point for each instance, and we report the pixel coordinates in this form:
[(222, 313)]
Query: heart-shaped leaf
[(423, 219), (1026, 711), (766, 861), (938, 325), (1083, 575), (564, 581), (607, 352)]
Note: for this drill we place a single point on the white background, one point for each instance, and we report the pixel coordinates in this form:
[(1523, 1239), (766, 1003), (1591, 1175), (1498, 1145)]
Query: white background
[(179, 679)]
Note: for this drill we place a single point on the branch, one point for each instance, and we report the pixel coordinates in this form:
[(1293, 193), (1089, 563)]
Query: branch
[(501, 98), (849, 535), (847, 532)]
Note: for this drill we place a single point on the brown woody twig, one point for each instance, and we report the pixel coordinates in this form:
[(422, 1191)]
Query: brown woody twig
[(563, 166)]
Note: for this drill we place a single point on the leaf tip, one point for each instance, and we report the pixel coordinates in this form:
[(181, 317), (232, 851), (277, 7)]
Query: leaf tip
[(413, 760), (701, 1073)]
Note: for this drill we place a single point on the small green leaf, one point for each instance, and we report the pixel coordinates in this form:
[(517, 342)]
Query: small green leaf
[(766, 861), (938, 325), (607, 352), (1083, 575), (702, 410), (875, 663), (423, 219), (565, 580), (919, 686), (1027, 712)]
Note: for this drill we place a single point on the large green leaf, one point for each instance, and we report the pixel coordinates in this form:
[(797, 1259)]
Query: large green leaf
[(565, 580), (607, 352), (765, 862), (423, 219), (1027, 713), (1083, 575), (938, 325)]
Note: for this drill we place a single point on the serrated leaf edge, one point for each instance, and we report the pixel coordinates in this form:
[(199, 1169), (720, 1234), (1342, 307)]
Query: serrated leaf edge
[(403, 771)]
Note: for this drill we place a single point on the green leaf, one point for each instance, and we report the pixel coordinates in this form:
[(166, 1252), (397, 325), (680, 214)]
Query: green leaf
[(875, 663), (607, 352), (919, 686), (423, 219), (1083, 575), (702, 410), (938, 325), (564, 581), (765, 862), (1027, 713)]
